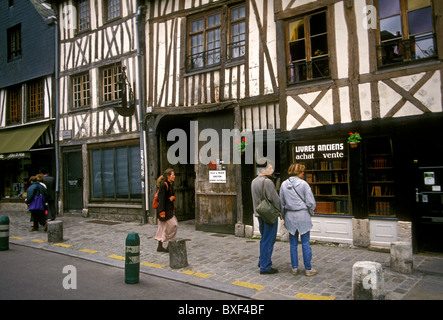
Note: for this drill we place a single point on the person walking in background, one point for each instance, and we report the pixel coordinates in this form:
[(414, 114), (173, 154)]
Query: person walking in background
[(268, 232), (37, 214), (50, 185), (167, 222), (297, 207)]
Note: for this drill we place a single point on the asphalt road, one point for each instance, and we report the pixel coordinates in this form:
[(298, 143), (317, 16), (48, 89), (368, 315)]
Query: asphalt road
[(33, 274)]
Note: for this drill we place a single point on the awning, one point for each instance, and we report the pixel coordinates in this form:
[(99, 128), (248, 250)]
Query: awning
[(20, 139)]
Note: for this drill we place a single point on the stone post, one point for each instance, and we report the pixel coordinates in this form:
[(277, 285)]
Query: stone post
[(55, 231), (402, 257), (178, 257), (368, 281)]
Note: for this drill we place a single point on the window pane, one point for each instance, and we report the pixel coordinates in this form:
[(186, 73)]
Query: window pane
[(96, 174), (197, 25), (417, 4), (390, 28), (320, 68), (108, 173), (238, 13), (296, 30), (214, 20), (298, 72), (319, 45), (388, 7), (422, 46), (121, 164), (297, 50), (135, 172), (420, 21), (317, 23)]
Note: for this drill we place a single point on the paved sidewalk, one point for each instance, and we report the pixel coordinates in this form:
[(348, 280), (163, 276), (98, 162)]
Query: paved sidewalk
[(229, 263)]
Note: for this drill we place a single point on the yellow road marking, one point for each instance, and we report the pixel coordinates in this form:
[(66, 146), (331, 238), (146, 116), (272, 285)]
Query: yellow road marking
[(154, 265), (248, 285), (62, 245), (38, 240), (308, 296), (88, 251), (18, 238), (114, 256), (197, 274)]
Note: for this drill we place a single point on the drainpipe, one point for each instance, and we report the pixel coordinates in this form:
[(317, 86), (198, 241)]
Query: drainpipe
[(57, 114), (143, 158)]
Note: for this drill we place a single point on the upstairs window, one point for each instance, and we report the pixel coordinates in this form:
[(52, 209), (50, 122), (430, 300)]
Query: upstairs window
[(81, 91), (15, 105), (110, 83), (35, 93), (237, 41), (113, 9), (204, 41), (406, 31), (14, 42), (83, 15), (308, 52)]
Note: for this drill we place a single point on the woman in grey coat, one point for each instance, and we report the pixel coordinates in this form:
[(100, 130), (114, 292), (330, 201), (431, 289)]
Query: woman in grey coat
[(297, 207)]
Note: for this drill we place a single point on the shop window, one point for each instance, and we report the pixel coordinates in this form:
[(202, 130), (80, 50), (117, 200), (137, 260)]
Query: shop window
[(327, 174), (406, 31), (14, 105), (380, 175), (14, 42), (115, 173), (81, 91), (110, 77), (308, 52), (35, 93)]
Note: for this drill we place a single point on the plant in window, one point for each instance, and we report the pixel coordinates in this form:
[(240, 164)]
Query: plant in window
[(353, 139)]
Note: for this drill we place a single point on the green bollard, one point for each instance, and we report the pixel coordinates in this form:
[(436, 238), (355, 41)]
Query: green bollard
[(132, 258), (4, 233)]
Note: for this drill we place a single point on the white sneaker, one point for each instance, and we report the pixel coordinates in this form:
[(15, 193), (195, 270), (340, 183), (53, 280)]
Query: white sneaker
[(310, 273), (294, 271)]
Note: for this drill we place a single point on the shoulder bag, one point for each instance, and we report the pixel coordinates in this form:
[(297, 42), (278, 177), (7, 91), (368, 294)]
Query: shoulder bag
[(265, 209)]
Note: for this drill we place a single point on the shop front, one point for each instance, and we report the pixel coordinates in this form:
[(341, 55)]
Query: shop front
[(24, 152), (386, 189)]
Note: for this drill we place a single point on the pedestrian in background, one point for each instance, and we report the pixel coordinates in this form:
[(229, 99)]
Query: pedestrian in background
[(268, 232), (50, 185), (297, 207), (37, 216), (167, 222)]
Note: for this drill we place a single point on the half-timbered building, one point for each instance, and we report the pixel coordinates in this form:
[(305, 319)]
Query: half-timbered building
[(372, 67), (27, 103), (101, 171)]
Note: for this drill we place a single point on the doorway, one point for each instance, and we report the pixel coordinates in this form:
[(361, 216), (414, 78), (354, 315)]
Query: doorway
[(73, 181), (429, 208)]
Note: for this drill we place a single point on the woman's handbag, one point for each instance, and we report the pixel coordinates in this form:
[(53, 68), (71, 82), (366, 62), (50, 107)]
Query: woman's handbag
[(38, 203), (265, 209)]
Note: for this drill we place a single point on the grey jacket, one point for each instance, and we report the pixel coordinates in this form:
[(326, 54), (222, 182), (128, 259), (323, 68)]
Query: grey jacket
[(270, 192), (297, 210)]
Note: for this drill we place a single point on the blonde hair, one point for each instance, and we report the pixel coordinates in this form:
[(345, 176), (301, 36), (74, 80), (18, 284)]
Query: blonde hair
[(164, 176), (296, 169)]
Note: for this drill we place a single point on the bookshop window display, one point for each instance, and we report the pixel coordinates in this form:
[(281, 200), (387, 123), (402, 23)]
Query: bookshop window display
[(380, 177), (327, 174)]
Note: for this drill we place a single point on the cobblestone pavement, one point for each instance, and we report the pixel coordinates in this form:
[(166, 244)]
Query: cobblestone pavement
[(221, 261)]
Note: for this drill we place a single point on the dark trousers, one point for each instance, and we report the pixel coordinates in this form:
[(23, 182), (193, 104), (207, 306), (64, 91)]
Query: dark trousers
[(38, 216)]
